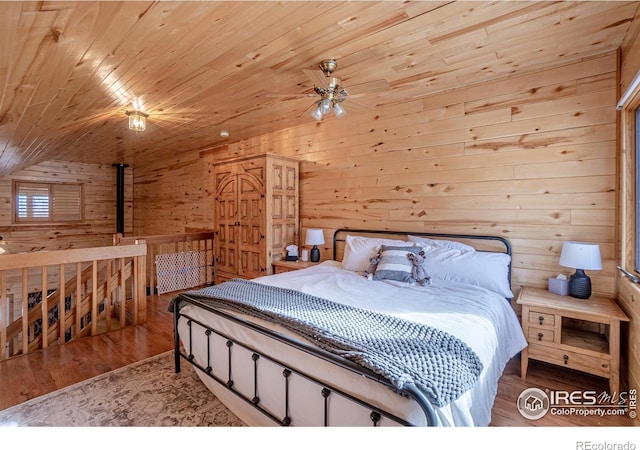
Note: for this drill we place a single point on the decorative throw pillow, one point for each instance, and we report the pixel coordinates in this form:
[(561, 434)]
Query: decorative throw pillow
[(395, 264)]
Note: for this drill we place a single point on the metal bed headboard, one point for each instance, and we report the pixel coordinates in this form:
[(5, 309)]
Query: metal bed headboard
[(501, 241)]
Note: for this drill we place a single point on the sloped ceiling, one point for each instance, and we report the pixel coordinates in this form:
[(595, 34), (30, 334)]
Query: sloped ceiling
[(70, 70)]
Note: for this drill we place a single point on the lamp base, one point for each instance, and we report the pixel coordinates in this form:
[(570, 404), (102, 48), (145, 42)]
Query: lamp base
[(315, 254), (580, 285)]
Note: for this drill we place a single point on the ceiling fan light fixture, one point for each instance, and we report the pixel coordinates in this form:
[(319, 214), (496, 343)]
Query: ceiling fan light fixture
[(332, 93), (339, 110), (325, 106), (137, 120), (317, 112)]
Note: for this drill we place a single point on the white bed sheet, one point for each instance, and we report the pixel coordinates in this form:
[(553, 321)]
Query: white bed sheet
[(482, 319)]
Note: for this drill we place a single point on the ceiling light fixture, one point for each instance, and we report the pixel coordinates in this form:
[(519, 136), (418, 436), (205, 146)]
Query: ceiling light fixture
[(332, 93), (326, 106), (137, 120), (224, 134)]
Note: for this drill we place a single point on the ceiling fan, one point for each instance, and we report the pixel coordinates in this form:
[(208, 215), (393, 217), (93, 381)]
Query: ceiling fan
[(332, 93)]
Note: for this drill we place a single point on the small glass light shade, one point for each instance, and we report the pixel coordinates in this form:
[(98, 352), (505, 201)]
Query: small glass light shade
[(137, 120), (580, 256), (314, 237), (325, 106), (317, 113), (339, 110)]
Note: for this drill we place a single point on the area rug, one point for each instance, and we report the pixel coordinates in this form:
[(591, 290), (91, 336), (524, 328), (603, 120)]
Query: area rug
[(145, 394)]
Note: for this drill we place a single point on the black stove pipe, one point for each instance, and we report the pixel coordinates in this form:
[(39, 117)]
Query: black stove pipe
[(120, 197)]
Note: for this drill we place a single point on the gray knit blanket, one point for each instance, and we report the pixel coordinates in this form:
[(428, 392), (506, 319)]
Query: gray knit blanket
[(403, 352)]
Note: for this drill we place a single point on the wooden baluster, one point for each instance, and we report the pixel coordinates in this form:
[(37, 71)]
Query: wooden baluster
[(4, 320), (25, 311), (123, 294), (107, 295), (44, 307), (94, 298), (62, 311), (78, 306), (142, 305), (152, 273)]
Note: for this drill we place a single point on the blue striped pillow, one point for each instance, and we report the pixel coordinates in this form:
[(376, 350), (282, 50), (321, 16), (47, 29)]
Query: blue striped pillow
[(394, 263)]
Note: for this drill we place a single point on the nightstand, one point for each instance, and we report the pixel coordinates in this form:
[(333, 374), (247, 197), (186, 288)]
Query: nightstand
[(579, 334), (288, 266)]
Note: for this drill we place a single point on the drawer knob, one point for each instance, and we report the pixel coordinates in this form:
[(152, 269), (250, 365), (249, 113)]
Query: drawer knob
[(540, 336), (566, 359), (541, 319)]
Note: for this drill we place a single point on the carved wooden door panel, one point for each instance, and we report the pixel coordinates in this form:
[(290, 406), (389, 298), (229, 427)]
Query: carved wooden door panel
[(251, 224), (226, 240)]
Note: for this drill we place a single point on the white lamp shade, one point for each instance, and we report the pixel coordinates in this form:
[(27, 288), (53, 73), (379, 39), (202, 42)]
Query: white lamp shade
[(314, 236), (581, 255)]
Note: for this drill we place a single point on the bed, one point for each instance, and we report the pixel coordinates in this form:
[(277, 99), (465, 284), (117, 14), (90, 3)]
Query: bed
[(457, 328)]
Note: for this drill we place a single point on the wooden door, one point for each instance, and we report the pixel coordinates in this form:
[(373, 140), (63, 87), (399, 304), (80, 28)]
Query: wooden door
[(226, 221), (251, 227)]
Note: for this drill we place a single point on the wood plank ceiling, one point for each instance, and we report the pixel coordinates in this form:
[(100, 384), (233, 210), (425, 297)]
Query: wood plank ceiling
[(69, 70)]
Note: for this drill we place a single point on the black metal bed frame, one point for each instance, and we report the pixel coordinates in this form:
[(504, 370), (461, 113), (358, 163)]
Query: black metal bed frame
[(185, 351)]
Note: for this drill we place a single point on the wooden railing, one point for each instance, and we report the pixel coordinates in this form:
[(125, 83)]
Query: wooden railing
[(56, 296), (170, 244)]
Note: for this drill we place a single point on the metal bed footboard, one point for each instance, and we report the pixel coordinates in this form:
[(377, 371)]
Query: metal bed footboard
[(184, 350)]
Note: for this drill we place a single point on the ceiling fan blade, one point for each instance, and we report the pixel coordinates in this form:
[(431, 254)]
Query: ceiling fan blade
[(351, 105), (371, 86), (286, 96), (317, 78)]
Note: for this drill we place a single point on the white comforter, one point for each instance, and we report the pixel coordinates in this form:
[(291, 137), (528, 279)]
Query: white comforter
[(481, 318)]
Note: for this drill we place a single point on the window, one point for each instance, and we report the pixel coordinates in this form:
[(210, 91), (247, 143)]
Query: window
[(47, 202), (629, 180), (637, 193)]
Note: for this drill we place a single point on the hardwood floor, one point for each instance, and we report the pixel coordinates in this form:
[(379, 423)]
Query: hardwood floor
[(41, 372), (29, 376)]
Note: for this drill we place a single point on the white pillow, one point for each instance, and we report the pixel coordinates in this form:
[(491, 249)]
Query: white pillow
[(358, 250), (424, 242), (485, 269)]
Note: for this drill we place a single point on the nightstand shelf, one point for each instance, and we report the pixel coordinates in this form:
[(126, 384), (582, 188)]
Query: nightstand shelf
[(575, 333), (587, 340)]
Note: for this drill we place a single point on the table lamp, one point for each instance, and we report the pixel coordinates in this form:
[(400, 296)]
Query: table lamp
[(580, 256), (314, 237)]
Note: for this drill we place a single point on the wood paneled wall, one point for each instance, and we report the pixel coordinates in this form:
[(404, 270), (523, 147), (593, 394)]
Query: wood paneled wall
[(532, 158), (175, 196), (100, 208)]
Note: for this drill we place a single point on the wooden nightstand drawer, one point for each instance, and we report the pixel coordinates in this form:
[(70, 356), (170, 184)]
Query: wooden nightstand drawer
[(571, 360), (289, 266), (541, 318), (281, 269), (540, 335)]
